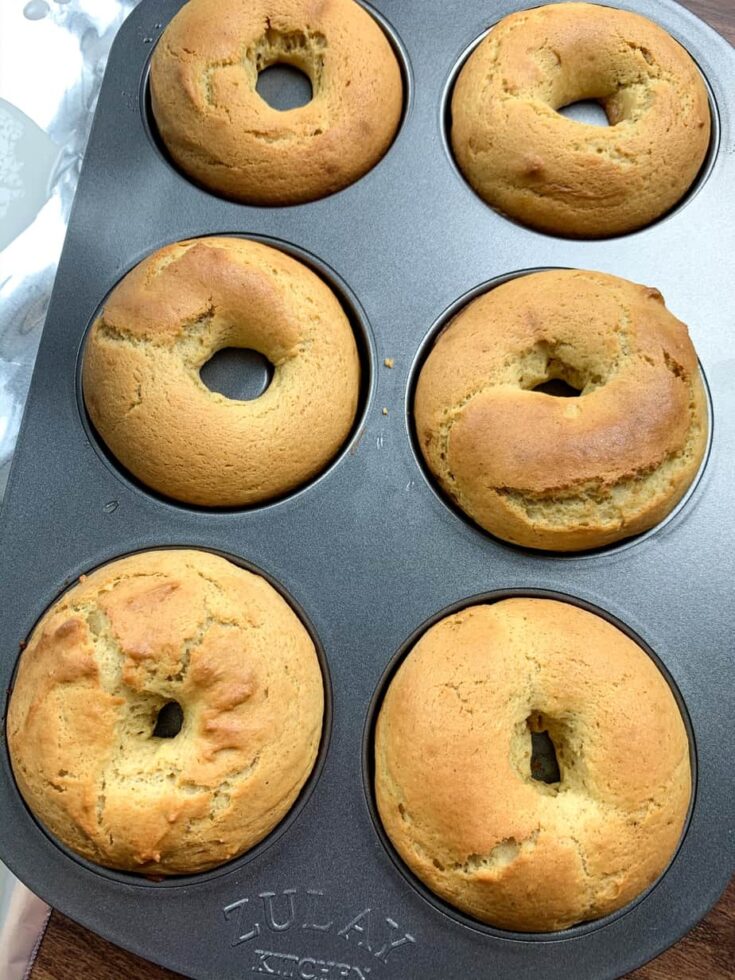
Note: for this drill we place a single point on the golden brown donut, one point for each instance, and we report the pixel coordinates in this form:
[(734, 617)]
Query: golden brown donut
[(563, 473), (141, 632), (166, 318), (566, 177), (453, 765), (222, 134)]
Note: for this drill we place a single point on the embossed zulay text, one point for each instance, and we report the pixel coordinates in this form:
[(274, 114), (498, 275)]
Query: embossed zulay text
[(303, 910)]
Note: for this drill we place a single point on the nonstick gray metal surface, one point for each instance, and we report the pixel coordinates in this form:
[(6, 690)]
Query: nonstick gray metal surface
[(370, 551)]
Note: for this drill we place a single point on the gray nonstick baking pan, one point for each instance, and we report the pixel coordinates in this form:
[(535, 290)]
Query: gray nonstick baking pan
[(370, 552)]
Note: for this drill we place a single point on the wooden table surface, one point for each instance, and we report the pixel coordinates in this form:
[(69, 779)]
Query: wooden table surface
[(69, 952)]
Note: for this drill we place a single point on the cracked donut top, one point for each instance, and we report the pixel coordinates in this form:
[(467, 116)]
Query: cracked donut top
[(222, 134), (563, 473), (567, 177), (92, 744), (457, 790)]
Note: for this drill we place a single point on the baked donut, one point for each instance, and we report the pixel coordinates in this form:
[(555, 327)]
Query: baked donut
[(453, 765), (166, 319), (134, 636), (222, 134), (566, 177), (563, 473)]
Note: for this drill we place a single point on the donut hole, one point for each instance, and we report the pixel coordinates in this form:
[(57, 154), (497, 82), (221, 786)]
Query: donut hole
[(543, 751), (169, 720), (558, 388), (544, 764), (593, 94), (289, 67), (151, 715), (587, 111), (284, 87), (552, 369), (238, 373)]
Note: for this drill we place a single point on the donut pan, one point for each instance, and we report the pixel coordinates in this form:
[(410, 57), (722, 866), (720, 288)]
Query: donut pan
[(370, 551)]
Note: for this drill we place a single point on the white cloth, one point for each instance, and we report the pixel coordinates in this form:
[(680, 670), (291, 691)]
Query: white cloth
[(52, 56), (23, 919)]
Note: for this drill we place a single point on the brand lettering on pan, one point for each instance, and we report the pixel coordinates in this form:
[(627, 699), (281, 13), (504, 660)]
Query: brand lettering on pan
[(305, 967), (367, 931)]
